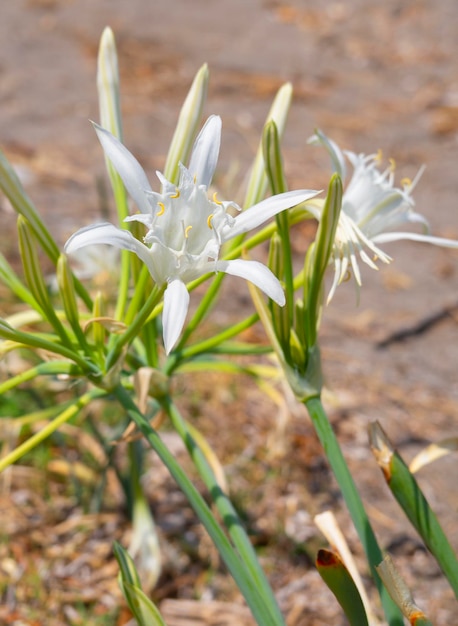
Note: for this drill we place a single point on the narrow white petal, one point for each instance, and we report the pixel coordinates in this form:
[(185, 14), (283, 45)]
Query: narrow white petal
[(336, 280), (336, 154), (437, 241), (205, 152), (106, 233), (256, 273), (176, 302), (101, 233), (127, 166), (263, 211)]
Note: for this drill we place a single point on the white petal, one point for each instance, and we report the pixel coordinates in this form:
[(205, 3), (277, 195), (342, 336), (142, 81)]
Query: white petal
[(127, 166), (176, 302), (256, 273), (437, 241), (105, 233), (336, 279), (263, 211), (205, 152), (336, 154)]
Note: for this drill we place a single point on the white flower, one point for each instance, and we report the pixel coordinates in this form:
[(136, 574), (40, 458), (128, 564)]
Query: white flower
[(185, 228), (372, 208)]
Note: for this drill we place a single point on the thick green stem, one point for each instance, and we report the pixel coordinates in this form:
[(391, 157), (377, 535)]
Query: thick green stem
[(226, 509), (353, 501), (235, 564)]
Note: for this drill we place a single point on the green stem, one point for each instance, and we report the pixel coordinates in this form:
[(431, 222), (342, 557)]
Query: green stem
[(34, 341), (208, 344), (139, 295), (136, 326), (235, 565), (226, 509), (53, 368), (355, 506), (47, 430), (203, 309)]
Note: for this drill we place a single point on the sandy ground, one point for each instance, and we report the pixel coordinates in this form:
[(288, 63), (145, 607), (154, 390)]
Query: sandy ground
[(371, 75)]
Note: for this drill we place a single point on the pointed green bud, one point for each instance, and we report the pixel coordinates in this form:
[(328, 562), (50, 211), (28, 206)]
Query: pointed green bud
[(317, 258), (279, 110), (35, 279), (273, 158), (275, 261), (110, 116), (108, 84), (280, 314), (275, 174), (298, 354), (31, 265), (144, 611), (67, 290), (299, 322), (98, 330), (66, 283), (188, 123)]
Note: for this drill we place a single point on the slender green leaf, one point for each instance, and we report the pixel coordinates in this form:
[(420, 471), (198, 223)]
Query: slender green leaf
[(338, 579), (227, 511), (50, 428), (410, 497), (235, 564), (353, 501)]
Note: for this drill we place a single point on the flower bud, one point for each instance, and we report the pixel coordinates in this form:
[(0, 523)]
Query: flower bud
[(188, 123)]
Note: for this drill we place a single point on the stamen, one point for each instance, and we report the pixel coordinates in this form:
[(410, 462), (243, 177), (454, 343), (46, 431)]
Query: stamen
[(195, 178), (379, 156), (209, 220), (392, 163), (161, 205), (176, 194), (347, 277), (215, 200), (406, 182), (186, 231)]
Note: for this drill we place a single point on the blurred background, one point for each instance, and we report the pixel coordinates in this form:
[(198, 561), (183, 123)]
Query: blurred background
[(372, 76)]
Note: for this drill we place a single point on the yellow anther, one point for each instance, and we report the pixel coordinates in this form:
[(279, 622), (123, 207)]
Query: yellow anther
[(379, 156), (406, 182), (215, 199), (195, 178), (392, 163), (176, 194), (161, 205), (347, 277), (186, 232), (209, 220)]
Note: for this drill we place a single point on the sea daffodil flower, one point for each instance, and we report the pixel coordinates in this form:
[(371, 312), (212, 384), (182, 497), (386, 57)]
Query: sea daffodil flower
[(185, 228), (373, 208)]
